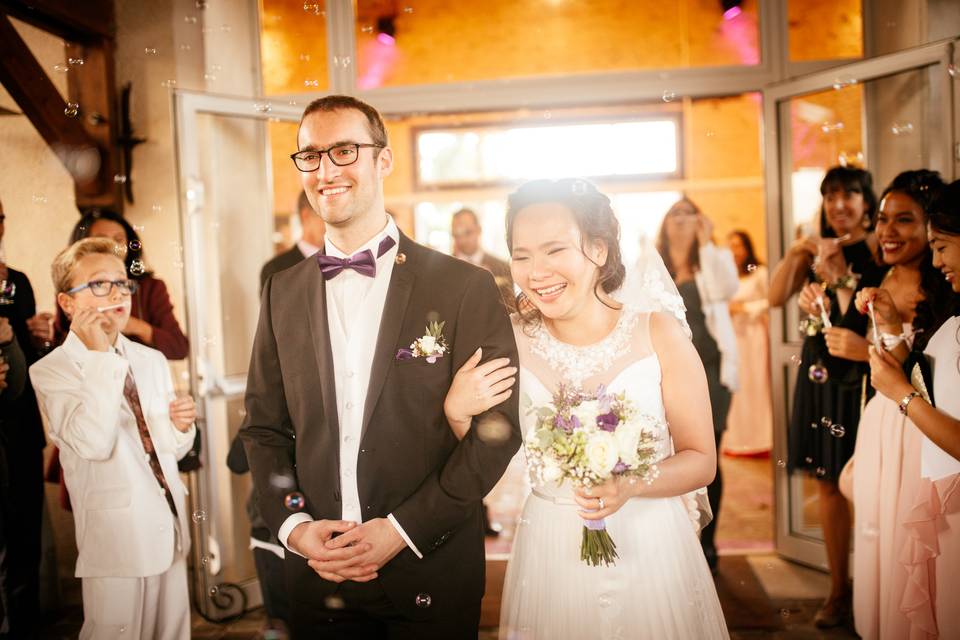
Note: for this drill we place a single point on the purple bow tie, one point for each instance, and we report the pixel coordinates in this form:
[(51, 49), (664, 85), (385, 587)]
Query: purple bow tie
[(362, 262)]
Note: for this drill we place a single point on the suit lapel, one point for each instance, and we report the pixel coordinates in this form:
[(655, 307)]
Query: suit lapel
[(391, 323), (320, 333)]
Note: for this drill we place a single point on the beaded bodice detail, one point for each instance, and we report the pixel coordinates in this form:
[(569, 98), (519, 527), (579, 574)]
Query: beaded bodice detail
[(575, 364)]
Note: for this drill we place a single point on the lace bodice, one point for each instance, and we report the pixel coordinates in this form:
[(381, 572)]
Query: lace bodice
[(575, 365), (624, 361)]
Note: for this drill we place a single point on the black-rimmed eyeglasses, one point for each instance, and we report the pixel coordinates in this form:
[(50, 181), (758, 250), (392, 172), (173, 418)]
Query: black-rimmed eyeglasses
[(101, 288), (340, 155)]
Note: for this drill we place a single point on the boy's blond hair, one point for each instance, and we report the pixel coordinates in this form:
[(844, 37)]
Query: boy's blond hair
[(66, 261)]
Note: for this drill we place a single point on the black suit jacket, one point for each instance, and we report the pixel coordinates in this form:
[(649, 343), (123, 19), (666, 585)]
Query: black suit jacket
[(410, 464), (279, 262)]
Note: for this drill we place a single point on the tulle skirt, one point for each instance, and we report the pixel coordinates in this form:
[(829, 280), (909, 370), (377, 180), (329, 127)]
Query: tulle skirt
[(660, 587)]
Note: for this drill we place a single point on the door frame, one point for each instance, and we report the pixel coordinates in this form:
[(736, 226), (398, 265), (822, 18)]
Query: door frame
[(784, 342), (214, 599)]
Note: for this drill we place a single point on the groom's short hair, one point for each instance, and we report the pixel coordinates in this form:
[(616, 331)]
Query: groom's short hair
[(328, 104)]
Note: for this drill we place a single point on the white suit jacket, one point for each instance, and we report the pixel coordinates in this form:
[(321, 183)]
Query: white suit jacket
[(124, 526)]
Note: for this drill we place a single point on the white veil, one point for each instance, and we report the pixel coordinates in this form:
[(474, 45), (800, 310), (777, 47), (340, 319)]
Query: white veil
[(648, 286)]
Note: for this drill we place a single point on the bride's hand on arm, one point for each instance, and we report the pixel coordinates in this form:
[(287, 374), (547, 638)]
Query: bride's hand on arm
[(475, 388), (687, 404)]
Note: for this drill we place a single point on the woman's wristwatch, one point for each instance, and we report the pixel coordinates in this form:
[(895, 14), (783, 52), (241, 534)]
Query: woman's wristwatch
[(906, 401)]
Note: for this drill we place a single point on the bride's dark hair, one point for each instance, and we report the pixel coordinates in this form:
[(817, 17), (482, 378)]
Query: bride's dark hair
[(595, 218)]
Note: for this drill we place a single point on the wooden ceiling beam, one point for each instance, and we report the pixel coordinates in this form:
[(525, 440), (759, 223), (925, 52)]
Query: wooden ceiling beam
[(78, 21), (31, 88)]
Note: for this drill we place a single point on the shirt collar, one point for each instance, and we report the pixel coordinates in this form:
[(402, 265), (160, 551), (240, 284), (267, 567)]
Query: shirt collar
[(373, 244), (306, 248)]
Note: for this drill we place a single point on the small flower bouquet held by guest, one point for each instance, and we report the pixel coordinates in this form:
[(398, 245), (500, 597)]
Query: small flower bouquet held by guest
[(588, 438)]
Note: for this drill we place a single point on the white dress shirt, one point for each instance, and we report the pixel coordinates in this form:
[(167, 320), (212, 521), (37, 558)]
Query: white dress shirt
[(355, 305), (306, 248)]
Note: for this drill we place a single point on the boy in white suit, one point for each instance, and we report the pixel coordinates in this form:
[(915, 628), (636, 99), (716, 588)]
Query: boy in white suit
[(110, 407)]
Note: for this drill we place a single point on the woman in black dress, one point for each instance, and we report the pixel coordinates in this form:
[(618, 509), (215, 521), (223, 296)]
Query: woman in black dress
[(831, 384), (706, 277)]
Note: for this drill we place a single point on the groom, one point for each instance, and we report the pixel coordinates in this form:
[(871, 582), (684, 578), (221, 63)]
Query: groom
[(353, 461)]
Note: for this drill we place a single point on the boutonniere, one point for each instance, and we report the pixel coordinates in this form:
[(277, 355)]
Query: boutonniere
[(431, 345)]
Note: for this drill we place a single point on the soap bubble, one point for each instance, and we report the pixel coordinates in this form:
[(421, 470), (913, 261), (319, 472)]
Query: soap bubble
[(199, 516), (311, 83), (294, 501), (150, 51), (751, 268), (72, 110), (76, 62), (190, 19), (837, 430), (62, 68), (119, 178), (493, 429), (669, 96), (831, 127), (137, 268), (135, 245), (818, 373), (901, 129)]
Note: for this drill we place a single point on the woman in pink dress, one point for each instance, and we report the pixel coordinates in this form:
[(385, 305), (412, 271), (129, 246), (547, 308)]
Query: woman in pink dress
[(910, 305), (926, 574), (750, 422)]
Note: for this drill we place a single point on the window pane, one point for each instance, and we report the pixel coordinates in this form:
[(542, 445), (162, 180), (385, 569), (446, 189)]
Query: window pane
[(825, 29), (638, 148), (293, 46), (437, 41)]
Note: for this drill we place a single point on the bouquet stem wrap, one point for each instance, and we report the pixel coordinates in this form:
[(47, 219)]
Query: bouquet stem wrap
[(597, 546)]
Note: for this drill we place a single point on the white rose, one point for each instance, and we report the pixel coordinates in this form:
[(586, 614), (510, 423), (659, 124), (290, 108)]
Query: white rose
[(587, 412), (627, 436), (551, 470), (428, 344), (602, 453)]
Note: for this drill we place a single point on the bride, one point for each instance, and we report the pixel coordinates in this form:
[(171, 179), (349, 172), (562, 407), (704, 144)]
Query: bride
[(564, 242)]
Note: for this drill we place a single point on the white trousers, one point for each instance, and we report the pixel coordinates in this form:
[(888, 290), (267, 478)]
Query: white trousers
[(152, 608)]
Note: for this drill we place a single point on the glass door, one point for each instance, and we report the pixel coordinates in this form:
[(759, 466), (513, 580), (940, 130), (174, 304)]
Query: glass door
[(887, 115), (227, 214)]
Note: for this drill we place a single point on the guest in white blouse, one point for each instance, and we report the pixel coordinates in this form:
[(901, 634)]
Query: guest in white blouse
[(110, 407)]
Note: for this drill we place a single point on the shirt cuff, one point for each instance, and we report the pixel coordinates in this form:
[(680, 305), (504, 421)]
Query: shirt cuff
[(403, 534), (288, 525), (181, 438)]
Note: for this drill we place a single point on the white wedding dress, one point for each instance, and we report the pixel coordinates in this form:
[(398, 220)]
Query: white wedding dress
[(660, 587)]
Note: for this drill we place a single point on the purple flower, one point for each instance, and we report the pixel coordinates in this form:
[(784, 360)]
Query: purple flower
[(568, 425), (404, 354), (605, 402), (620, 467), (608, 421)]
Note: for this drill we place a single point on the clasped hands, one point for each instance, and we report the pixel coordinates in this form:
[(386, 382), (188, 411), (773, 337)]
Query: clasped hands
[(357, 553)]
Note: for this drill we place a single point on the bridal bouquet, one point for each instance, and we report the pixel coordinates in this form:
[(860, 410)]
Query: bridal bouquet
[(587, 439)]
